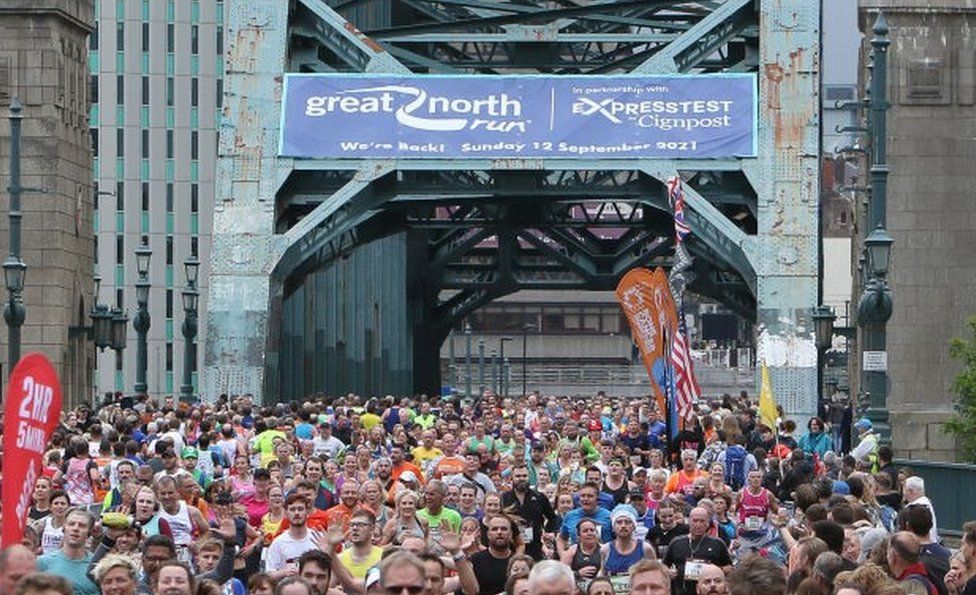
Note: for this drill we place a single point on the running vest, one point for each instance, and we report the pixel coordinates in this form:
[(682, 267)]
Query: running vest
[(180, 524), (51, 537), (753, 506)]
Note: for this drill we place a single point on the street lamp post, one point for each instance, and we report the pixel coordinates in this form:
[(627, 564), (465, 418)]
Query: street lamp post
[(501, 364), (451, 366), (493, 367), (823, 324), (142, 321), (467, 360), (191, 298), (525, 357), (875, 305), (14, 268), (481, 366)]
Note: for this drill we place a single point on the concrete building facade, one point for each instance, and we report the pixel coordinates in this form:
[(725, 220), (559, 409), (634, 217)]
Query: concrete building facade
[(156, 71), (43, 63), (931, 210)]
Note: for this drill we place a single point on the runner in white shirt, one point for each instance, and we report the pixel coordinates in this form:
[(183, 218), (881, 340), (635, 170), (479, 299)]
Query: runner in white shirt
[(284, 551)]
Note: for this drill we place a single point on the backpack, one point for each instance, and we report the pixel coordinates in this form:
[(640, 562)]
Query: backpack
[(735, 466)]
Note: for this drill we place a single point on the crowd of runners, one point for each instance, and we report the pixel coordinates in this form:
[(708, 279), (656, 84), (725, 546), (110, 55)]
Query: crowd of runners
[(541, 495)]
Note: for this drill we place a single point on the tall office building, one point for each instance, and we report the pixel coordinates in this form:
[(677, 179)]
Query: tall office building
[(156, 96)]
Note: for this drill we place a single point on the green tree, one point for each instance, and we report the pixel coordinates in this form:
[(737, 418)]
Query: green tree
[(963, 423)]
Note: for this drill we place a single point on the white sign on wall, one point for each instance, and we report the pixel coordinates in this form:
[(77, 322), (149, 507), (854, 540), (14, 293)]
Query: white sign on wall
[(875, 361)]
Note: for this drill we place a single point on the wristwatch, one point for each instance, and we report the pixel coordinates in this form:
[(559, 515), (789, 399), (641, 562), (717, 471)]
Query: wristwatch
[(459, 557)]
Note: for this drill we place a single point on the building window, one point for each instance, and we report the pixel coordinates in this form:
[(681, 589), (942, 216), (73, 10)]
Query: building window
[(118, 297), (119, 249), (119, 37), (96, 250), (195, 246), (145, 90), (170, 91), (119, 89), (194, 198), (169, 357), (220, 93), (169, 144), (169, 303), (120, 196), (93, 38), (145, 144), (119, 142), (194, 39), (169, 250), (145, 196), (220, 40), (145, 37), (118, 361), (194, 92), (94, 88), (94, 141), (194, 145), (169, 198), (170, 38)]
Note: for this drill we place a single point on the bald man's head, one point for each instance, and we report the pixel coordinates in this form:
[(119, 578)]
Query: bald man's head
[(15, 562)]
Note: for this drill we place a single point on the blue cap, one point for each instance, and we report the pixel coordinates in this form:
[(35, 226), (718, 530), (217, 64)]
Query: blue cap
[(841, 487), (864, 423)]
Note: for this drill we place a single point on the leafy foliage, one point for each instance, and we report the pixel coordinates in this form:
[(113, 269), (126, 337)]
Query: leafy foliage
[(963, 423)]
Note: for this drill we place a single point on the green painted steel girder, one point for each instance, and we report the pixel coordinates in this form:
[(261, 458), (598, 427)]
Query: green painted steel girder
[(280, 221)]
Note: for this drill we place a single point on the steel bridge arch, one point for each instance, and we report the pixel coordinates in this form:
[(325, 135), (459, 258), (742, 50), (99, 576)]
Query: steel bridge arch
[(256, 255)]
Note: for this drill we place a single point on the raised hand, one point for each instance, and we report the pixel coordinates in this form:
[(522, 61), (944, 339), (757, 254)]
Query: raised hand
[(450, 540)]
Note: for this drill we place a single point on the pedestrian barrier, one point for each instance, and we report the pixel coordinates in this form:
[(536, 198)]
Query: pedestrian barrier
[(952, 489)]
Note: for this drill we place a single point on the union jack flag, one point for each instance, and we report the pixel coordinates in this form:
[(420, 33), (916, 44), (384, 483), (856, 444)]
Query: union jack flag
[(677, 198), (685, 385)]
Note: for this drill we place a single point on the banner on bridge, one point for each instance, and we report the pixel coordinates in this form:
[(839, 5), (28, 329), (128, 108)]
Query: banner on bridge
[(602, 117)]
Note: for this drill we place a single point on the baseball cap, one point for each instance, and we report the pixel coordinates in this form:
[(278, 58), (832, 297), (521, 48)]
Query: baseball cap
[(864, 423), (189, 452), (841, 487), (637, 493), (408, 476), (594, 425)]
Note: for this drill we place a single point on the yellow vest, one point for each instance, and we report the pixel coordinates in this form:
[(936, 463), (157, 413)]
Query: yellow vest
[(359, 569)]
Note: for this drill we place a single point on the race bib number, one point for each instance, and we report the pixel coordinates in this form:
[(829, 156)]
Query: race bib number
[(620, 583), (693, 569), (754, 523), (527, 534)]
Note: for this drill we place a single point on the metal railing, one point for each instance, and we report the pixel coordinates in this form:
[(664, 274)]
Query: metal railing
[(603, 376), (952, 489)]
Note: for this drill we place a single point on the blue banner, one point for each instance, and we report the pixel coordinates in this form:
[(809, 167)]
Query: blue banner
[(624, 117)]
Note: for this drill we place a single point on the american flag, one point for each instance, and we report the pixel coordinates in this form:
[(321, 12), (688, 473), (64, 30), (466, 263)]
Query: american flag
[(677, 198), (685, 385)]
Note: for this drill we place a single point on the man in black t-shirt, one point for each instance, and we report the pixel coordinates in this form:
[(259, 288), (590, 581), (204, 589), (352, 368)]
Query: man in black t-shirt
[(667, 528), (491, 565), (687, 556)]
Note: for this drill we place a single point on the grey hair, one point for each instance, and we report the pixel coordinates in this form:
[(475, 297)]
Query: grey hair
[(689, 453), (657, 474), (916, 484), (548, 572)]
